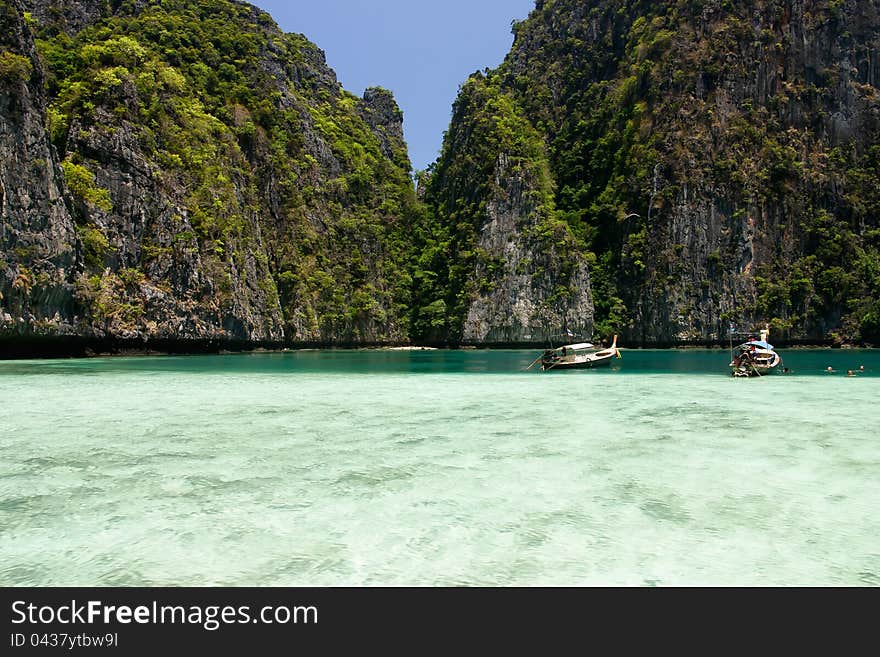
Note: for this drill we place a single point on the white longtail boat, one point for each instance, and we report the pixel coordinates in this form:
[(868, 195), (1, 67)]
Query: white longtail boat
[(755, 358), (578, 356)]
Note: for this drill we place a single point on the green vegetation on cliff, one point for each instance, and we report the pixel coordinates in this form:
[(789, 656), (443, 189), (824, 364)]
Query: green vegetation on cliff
[(272, 181), (656, 170), (489, 121), (717, 160)]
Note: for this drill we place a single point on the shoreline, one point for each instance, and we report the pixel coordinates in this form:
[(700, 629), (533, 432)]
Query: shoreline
[(55, 347)]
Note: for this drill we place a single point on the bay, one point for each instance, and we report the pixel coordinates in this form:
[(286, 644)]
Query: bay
[(328, 468)]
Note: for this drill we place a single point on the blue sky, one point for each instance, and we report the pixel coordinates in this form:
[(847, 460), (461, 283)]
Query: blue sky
[(421, 51)]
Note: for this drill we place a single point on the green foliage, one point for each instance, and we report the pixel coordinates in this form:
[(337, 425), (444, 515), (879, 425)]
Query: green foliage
[(14, 67), (105, 297), (869, 321), (81, 182), (95, 245)]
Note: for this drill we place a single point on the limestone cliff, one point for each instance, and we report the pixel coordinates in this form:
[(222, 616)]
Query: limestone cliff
[(511, 271), (713, 160), (521, 301), (195, 174), (185, 172), (38, 255)]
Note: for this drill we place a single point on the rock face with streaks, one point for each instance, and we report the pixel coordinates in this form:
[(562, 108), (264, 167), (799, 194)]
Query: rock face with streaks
[(515, 273), (37, 239), (518, 305)]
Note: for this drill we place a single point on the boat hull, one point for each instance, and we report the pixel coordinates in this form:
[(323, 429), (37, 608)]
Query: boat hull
[(756, 358), (577, 363), (757, 369), (749, 372), (580, 356)]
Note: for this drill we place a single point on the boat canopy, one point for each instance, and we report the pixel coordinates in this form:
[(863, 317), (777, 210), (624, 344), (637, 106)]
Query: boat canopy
[(577, 347), (760, 344)]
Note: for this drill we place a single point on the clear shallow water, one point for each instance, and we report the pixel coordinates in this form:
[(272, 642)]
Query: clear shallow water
[(438, 468)]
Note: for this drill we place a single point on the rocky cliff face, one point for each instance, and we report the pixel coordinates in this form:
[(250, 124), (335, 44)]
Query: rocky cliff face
[(37, 239), (511, 271), (202, 176), (711, 158), (185, 171), (520, 300), (380, 112)]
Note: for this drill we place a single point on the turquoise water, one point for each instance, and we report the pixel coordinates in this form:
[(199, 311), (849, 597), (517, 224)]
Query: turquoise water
[(438, 468)]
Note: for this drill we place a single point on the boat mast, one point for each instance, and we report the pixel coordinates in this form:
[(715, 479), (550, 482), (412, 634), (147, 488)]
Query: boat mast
[(730, 339)]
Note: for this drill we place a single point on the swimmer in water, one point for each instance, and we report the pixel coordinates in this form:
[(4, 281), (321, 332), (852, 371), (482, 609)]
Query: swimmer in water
[(830, 370)]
